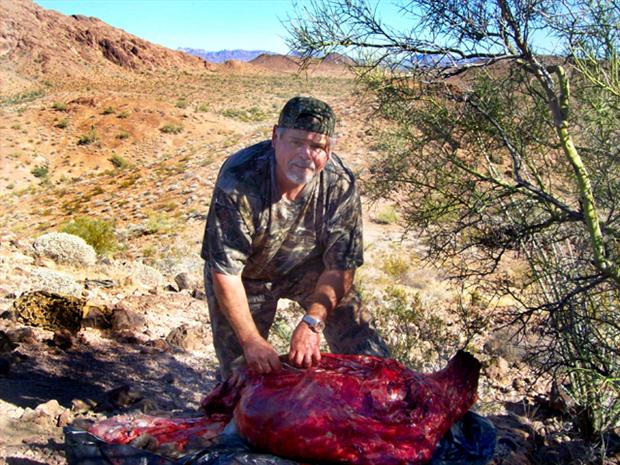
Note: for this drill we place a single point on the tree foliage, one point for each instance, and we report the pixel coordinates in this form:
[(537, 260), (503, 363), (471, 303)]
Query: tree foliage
[(497, 152)]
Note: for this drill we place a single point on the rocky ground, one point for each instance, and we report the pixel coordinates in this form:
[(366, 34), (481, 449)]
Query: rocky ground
[(153, 352)]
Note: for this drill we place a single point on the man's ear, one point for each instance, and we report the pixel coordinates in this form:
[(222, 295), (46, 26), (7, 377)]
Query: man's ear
[(274, 135)]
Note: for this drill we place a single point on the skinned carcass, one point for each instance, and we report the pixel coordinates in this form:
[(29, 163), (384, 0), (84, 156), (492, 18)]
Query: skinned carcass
[(350, 409)]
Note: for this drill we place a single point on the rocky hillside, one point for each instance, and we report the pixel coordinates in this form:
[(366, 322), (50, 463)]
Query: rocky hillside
[(37, 41)]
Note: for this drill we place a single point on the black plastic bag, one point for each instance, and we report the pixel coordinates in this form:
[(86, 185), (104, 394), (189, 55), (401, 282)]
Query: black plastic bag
[(470, 441)]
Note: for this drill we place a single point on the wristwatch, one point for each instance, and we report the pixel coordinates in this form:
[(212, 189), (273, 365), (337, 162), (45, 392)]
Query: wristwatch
[(313, 323)]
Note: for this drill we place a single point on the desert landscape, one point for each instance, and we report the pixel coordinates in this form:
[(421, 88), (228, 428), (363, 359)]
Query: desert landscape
[(106, 134)]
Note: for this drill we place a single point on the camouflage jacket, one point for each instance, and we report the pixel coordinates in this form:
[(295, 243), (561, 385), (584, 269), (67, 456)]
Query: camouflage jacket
[(252, 230)]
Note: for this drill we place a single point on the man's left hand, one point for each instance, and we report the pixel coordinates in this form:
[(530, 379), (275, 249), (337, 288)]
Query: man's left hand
[(305, 347)]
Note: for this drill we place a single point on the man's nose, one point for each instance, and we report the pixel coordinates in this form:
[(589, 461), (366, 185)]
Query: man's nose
[(306, 151)]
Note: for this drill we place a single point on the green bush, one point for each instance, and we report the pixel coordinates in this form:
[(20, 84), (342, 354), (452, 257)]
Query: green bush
[(118, 161), (123, 114), (202, 107), (108, 111), (24, 97), (40, 171), (181, 103), (89, 137), (171, 128), (122, 135), (246, 114), (62, 124), (387, 215), (59, 106), (98, 233)]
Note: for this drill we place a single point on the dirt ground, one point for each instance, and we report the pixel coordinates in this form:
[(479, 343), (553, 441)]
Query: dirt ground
[(100, 149)]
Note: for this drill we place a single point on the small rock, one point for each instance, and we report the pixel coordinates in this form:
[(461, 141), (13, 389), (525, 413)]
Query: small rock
[(519, 384), (498, 370), (183, 281), (125, 319), (64, 418), (82, 406), (51, 409), (120, 397), (23, 336), (63, 339), (147, 406), (170, 288), (97, 316), (199, 294), (186, 338), (158, 345), (7, 315), (6, 344)]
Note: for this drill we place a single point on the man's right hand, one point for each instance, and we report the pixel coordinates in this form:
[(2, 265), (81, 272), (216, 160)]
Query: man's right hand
[(260, 356)]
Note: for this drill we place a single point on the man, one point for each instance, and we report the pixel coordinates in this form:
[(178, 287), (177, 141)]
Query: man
[(285, 222)]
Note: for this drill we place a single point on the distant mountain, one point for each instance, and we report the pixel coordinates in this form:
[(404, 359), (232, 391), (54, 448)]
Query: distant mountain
[(224, 55)]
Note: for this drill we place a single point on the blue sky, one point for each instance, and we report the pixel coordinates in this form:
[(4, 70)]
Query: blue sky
[(206, 24)]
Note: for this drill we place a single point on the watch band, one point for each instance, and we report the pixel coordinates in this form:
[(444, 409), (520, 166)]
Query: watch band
[(315, 324)]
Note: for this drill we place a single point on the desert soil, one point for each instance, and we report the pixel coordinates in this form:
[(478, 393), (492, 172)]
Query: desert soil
[(98, 147)]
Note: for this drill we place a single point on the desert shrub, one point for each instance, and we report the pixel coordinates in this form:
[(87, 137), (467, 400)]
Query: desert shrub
[(414, 334), (108, 111), (159, 223), (119, 161), (245, 114), (202, 107), (181, 103), (395, 265), (387, 215), (123, 114), (59, 106), (88, 138), (122, 135), (171, 128), (24, 97), (97, 233), (62, 123), (40, 171)]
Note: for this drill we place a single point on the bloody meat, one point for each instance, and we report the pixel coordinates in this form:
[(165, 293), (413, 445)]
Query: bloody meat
[(350, 409)]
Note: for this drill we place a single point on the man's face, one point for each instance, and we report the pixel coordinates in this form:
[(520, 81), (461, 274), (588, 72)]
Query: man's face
[(300, 155)]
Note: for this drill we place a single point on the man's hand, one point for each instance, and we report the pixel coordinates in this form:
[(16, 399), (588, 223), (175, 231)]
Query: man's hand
[(260, 356), (305, 347)]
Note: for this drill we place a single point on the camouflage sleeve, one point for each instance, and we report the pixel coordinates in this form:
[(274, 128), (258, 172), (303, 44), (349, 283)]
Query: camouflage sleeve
[(228, 237), (344, 247)]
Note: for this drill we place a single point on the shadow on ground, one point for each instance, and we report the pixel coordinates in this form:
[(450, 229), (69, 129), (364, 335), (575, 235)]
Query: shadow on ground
[(41, 373)]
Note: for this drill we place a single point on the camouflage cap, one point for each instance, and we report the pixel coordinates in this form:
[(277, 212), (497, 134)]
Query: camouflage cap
[(309, 114)]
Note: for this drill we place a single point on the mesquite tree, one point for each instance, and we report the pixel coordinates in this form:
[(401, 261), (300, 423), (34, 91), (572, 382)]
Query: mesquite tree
[(497, 152)]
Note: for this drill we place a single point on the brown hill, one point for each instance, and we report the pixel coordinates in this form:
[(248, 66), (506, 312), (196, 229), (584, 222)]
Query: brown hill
[(278, 63), (35, 41), (332, 65)]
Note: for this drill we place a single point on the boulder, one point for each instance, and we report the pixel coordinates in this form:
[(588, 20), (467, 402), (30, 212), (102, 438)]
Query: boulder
[(49, 310), (65, 248)]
